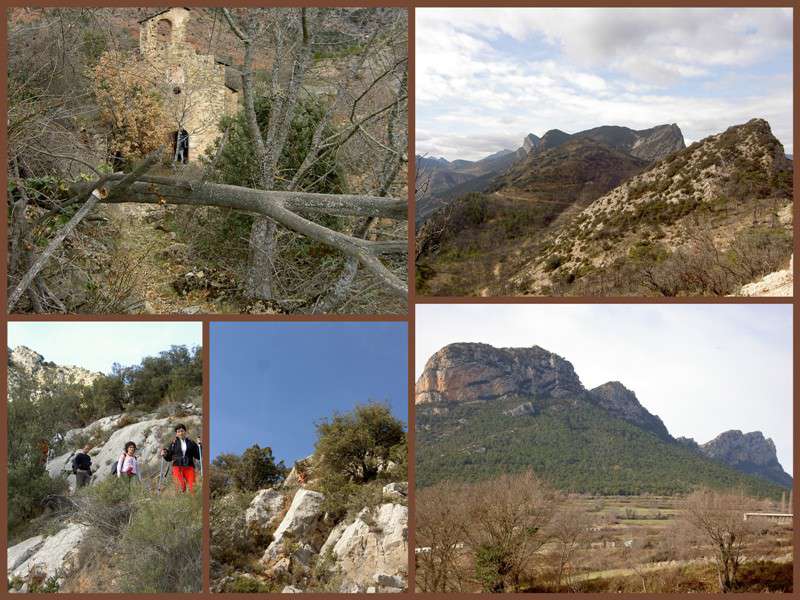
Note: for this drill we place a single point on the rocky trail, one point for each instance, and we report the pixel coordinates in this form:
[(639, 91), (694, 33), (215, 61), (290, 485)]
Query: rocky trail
[(145, 235), (54, 553)]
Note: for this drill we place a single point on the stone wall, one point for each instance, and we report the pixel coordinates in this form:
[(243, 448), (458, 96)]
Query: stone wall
[(192, 84)]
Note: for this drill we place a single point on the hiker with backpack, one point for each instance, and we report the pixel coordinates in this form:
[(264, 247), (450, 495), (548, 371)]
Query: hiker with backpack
[(182, 452), (127, 464), (82, 467)]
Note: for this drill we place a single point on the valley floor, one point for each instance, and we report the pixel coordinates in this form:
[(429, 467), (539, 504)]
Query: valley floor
[(640, 544)]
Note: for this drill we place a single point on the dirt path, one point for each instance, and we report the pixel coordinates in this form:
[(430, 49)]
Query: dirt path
[(155, 259)]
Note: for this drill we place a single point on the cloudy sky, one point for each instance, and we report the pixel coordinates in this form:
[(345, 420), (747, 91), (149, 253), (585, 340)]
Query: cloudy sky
[(703, 369), (486, 77)]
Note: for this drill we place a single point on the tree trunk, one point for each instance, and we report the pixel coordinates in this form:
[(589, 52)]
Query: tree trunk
[(260, 266)]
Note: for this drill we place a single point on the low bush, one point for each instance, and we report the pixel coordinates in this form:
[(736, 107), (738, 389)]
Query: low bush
[(231, 543), (161, 549)]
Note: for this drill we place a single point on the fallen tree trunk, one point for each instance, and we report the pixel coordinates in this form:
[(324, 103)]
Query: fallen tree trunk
[(157, 190), (279, 206)]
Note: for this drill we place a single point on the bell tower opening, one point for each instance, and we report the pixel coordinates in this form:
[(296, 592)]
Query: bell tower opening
[(164, 31)]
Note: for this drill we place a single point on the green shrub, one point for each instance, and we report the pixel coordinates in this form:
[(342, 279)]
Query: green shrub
[(254, 470), (161, 550), (358, 443), (231, 543), (242, 584), (553, 262)]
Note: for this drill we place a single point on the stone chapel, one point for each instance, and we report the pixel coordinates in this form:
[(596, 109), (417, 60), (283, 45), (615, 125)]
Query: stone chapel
[(198, 88)]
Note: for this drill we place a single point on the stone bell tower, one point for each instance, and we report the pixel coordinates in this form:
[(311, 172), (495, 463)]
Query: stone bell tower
[(197, 88), (159, 32)]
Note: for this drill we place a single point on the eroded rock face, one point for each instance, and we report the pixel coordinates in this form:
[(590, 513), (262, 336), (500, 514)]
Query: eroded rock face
[(470, 372), (372, 551), (23, 360), (396, 491), (54, 555), (622, 402), (264, 509), (750, 453), (303, 521), (21, 552)]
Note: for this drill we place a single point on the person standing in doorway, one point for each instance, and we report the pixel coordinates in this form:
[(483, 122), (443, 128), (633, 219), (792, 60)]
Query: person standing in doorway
[(182, 452)]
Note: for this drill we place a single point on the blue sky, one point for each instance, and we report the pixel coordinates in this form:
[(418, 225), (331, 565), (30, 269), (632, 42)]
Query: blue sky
[(97, 345), (703, 369), (486, 77), (270, 382)]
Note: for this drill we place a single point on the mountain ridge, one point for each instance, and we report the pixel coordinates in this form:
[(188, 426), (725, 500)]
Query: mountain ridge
[(468, 392)]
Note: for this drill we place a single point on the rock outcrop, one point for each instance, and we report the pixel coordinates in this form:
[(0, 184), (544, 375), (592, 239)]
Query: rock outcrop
[(474, 372), (264, 509), (23, 360), (312, 551), (750, 453), (371, 553), (50, 556), (777, 283), (303, 521), (623, 403)]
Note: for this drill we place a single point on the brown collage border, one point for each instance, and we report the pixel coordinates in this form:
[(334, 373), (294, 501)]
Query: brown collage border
[(413, 300)]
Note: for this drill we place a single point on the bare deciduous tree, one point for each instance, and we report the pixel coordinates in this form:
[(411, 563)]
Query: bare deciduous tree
[(719, 518), (440, 535)]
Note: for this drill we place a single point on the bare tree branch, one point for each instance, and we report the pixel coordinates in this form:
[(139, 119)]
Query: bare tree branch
[(92, 199)]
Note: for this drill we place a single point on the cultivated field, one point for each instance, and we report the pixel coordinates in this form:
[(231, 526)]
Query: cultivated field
[(601, 544)]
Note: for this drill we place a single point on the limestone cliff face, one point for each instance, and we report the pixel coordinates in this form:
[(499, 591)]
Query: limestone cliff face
[(468, 372), (23, 360), (750, 453), (623, 403)]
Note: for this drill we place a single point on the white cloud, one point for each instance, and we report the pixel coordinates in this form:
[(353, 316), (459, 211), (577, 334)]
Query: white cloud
[(602, 66)]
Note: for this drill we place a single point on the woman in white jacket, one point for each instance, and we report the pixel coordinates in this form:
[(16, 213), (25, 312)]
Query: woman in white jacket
[(128, 464)]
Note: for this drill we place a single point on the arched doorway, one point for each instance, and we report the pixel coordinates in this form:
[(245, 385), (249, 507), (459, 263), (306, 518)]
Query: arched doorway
[(180, 146)]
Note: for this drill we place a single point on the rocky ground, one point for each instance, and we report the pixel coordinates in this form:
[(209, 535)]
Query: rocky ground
[(778, 283), (310, 551)]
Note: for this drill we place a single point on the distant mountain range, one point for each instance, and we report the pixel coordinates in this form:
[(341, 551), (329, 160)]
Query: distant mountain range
[(447, 180), (607, 211), (482, 411)]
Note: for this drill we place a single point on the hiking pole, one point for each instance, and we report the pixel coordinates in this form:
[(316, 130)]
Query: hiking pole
[(200, 451), (160, 474)]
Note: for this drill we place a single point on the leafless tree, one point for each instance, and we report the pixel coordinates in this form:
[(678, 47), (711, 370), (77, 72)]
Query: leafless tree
[(568, 529), (719, 518), (292, 33), (440, 538), (508, 518)]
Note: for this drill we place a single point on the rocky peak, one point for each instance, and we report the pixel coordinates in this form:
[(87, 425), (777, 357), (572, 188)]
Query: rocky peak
[(465, 372), (656, 143), (553, 139), (531, 142), (622, 402), (748, 452), (23, 360)]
